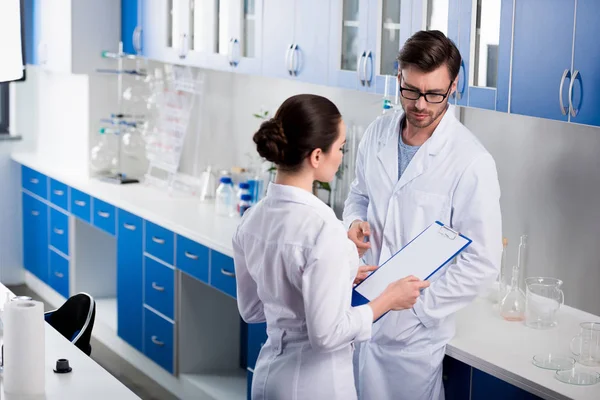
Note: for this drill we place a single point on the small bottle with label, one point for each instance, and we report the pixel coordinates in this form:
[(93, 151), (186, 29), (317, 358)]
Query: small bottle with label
[(245, 203)]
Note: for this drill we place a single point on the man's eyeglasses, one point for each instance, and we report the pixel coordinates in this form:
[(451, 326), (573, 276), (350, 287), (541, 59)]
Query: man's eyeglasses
[(434, 98)]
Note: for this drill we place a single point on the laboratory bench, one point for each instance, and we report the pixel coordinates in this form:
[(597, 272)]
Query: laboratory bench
[(160, 267)]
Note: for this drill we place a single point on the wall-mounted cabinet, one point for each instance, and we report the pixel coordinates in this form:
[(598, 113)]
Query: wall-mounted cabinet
[(69, 36)]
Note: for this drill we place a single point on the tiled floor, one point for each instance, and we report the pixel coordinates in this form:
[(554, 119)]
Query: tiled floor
[(130, 376)]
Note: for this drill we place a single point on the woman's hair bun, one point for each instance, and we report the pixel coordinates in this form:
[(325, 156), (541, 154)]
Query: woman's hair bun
[(271, 142)]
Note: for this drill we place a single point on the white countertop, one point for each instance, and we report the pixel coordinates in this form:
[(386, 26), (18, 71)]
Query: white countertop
[(87, 380), (483, 339)]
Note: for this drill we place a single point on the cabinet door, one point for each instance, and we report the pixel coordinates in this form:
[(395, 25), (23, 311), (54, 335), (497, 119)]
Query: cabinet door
[(246, 31), (131, 26), (348, 51), (485, 43), (278, 38), (310, 55), (164, 37), (390, 25), (585, 96), (130, 279), (35, 237), (55, 41), (543, 43)]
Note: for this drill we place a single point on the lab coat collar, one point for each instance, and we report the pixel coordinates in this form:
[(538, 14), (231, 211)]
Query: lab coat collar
[(294, 194), (388, 153)]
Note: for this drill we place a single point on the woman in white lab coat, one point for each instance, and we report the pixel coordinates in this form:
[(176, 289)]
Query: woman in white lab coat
[(295, 265)]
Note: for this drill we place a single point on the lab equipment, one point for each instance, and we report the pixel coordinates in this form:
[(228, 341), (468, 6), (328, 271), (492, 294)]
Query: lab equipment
[(225, 198), (578, 376), (244, 204), (522, 258), (103, 156), (256, 188), (422, 257), (243, 188), (557, 362), (543, 300), (586, 344), (499, 289), (512, 307), (207, 185)]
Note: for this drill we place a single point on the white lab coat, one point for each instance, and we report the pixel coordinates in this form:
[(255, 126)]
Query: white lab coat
[(453, 179), (295, 267)]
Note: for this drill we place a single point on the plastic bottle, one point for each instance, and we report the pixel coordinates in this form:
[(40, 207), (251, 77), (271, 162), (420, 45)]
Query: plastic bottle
[(244, 204), (243, 188), (225, 198)]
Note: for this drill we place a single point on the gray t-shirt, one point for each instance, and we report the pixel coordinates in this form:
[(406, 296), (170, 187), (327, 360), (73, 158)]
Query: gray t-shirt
[(405, 152)]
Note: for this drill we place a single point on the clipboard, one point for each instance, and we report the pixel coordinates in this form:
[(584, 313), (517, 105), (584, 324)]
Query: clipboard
[(422, 257)]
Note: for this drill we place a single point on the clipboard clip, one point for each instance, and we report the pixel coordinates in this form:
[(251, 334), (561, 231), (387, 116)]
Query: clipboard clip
[(448, 232)]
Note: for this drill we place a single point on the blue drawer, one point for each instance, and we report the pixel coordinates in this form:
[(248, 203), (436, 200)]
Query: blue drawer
[(81, 205), (160, 242), (222, 273), (59, 231), (159, 287), (257, 337), (35, 182), (192, 258), (105, 217), (158, 339), (59, 274), (59, 194)]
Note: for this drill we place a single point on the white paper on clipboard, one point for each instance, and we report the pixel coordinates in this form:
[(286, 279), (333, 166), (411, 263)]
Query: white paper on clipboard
[(422, 257)]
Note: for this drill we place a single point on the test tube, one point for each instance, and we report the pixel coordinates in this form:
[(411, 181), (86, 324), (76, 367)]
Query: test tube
[(397, 93)]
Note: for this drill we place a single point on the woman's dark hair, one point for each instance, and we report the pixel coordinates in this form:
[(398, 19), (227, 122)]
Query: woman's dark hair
[(303, 123), (429, 50)]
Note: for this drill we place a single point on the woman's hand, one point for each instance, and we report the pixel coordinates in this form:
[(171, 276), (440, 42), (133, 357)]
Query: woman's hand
[(363, 272)]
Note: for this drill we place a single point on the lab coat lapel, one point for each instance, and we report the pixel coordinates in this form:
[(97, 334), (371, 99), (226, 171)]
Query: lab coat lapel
[(424, 157), (388, 151)]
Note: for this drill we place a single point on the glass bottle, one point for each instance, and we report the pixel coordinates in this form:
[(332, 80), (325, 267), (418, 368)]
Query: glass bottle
[(512, 307), (502, 285)]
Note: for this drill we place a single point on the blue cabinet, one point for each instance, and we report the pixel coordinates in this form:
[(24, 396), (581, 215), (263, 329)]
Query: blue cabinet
[(35, 237), (59, 194), (543, 43), (159, 287), (130, 278), (585, 84), (159, 337), (487, 387), (59, 231), (34, 182), (81, 205), (249, 386), (457, 379), (192, 258), (160, 243), (104, 216), (222, 273), (131, 29), (59, 274)]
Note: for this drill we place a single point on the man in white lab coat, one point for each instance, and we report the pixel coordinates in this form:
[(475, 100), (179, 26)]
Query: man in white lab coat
[(413, 168)]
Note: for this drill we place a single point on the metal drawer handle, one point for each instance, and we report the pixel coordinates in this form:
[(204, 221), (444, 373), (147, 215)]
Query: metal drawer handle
[(227, 273), (358, 69), (157, 288), (58, 231), (368, 57), (80, 203), (35, 181), (59, 275), (563, 109), (158, 240), (191, 256), (157, 342), (35, 213), (574, 111), (59, 192), (103, 214), (130, 227)]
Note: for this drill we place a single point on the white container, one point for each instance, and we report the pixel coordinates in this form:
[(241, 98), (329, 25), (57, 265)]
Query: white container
[(226, 202)]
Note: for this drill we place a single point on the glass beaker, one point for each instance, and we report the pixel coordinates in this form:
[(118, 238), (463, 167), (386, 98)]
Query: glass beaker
[(586, 344), (543, 300)]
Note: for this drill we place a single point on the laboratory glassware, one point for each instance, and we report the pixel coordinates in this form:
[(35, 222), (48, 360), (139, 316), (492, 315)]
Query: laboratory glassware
[(512, 307), (586, 344), (542, 302)]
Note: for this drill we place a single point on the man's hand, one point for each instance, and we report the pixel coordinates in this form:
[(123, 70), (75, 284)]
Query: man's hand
[(363, 272), (358, 231)]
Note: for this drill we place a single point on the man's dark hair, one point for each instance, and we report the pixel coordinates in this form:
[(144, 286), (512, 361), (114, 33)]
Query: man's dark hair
[(428, 50)]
